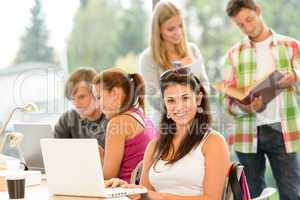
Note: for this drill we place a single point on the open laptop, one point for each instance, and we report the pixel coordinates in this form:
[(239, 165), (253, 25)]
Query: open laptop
[(30, 146), (73, 167)]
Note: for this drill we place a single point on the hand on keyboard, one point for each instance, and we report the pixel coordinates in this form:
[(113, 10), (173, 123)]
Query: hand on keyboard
[(114, 182), (134, 191)]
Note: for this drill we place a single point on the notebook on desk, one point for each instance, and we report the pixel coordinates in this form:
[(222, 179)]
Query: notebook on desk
[(73, 167)]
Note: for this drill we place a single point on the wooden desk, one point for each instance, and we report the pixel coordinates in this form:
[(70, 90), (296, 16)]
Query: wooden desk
[(41, 192)]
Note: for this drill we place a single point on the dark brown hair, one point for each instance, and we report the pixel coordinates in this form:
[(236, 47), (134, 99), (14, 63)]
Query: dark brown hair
[(132, 85), (235, 6), (82, 74), (200, 124)]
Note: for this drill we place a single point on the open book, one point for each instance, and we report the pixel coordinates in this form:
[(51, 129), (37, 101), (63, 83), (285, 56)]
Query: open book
[(266, 87)]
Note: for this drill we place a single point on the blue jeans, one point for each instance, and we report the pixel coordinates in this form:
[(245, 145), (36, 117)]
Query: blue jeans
[(285, 166)]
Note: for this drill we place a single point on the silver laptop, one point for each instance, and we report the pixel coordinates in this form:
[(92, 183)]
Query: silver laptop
[(30, 146), (73, 167)]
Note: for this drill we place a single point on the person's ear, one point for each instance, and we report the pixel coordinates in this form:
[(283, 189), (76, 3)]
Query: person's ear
[(114, 93), (258, 10), (94, 91), (117, 94), (199, 98)]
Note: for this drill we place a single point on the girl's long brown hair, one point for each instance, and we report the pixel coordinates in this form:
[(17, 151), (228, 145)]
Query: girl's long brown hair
[(200, 125)]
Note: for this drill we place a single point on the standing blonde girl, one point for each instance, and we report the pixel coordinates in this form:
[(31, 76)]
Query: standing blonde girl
[(168, 44)]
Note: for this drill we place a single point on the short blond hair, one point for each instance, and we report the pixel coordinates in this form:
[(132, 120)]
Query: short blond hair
[(82, 74), (163, 11)]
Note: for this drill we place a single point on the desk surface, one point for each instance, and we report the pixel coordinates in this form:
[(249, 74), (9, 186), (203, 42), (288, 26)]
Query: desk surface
[(41, 192)]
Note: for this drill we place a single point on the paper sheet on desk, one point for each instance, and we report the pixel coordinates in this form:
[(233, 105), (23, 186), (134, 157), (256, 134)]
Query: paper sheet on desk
[(119, 198), (3, 160)]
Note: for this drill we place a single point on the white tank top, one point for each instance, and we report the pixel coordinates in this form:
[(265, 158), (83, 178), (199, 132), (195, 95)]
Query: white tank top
[(184, 177)]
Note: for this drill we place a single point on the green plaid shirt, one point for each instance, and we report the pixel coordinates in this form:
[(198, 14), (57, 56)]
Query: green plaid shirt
[(240, 71)]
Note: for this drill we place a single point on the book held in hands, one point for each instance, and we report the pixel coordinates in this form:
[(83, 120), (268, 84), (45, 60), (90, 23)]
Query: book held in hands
[(267, 88)]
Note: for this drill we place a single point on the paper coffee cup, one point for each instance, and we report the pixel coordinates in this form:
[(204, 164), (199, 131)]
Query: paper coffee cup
[(16, 185)]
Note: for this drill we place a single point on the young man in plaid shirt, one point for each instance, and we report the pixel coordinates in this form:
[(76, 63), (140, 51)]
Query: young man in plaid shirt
[(273, 129)]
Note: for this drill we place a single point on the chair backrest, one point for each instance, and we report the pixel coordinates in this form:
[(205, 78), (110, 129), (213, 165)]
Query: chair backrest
[(236, 187), (136, 173)]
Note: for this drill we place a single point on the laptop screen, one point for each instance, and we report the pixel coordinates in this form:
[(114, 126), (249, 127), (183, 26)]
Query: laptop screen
[(30, 146)]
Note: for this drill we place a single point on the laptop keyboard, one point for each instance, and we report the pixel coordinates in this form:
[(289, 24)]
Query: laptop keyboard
[(119, 191)]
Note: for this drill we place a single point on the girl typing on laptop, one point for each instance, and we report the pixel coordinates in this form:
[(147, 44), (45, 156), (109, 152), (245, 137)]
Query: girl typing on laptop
[(189, 160), (121, 98)]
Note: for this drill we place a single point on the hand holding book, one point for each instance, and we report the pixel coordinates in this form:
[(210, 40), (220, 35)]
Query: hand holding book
[(288, 79), (268, 88), (256, 105)]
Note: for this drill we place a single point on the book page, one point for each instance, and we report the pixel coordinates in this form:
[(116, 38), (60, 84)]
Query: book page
[(237, 93)]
